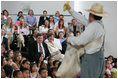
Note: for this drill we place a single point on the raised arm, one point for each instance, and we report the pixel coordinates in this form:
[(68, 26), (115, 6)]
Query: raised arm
[(77, 16)]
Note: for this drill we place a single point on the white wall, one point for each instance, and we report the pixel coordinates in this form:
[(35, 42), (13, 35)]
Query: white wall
[(38, 6), (110, 22)]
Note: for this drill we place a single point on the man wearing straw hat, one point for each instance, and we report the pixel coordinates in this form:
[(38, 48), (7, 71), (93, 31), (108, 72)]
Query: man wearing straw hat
[(92, 62)]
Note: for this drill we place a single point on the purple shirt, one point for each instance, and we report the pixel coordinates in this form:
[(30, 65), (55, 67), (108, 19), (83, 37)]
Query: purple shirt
[(30, 20)]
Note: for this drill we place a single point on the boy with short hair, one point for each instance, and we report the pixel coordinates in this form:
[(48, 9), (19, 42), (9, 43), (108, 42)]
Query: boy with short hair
[(43, 73), (26, 73), (17, 74)]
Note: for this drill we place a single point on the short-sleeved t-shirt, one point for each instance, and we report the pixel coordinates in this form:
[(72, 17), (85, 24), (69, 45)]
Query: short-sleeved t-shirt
[(115, 71)]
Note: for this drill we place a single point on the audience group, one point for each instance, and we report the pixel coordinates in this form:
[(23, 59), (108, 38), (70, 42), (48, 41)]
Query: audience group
[(31, 49)]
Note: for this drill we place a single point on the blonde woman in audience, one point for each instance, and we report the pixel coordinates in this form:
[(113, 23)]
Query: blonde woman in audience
[(56, 17), (9, 30), (53, 49), (23, 30)]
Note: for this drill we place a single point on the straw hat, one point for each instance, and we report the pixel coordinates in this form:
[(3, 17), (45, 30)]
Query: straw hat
[(97, 9)]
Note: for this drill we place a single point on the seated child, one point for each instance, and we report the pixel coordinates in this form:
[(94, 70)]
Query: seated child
[(34, 70), (17, 74), (26, 73), (43, 73)]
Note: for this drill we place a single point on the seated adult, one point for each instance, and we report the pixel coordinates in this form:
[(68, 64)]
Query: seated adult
[(24, 28), (57, 41), (53, 49), (60, 27), (33, 38), (56, 17), (4, 40), (23, 31), (43, 18), (44, 29), (61, 17), (38, 47), (20, 13), (9, 30), (6, 14), (51, 22), (3, 21), (74, 27), (17, 23), (31, 20)]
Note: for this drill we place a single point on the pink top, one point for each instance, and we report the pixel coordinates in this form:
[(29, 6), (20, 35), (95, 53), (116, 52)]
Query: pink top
[(18, 23)]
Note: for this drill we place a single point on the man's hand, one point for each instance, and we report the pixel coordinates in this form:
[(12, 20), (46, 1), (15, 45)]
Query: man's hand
[(68, 6)]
